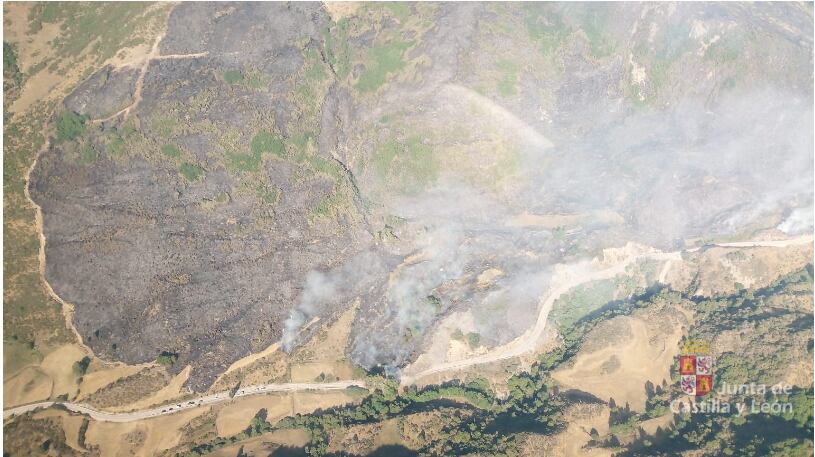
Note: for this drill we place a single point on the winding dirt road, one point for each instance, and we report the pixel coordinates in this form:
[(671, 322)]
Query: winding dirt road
[(567, 278), (530, 339), (187, 404)]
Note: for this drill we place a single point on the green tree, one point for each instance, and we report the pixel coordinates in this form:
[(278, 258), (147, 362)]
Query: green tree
[(81, 366), (167, 358)]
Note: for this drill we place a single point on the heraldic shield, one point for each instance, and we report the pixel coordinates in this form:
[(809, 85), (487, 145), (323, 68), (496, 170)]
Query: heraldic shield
[(696, 374)]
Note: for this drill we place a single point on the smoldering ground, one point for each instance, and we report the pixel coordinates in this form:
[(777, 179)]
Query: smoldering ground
[(688, 171), (540, 135)]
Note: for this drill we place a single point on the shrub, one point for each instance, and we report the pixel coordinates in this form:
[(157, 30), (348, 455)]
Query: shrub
[(10, 68), (167, 358)]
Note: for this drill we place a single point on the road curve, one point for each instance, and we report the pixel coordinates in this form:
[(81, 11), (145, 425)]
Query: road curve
[(173, 408), (530, 339), (527, 342)]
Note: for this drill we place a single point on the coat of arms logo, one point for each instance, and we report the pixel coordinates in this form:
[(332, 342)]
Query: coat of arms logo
[(696, 368)]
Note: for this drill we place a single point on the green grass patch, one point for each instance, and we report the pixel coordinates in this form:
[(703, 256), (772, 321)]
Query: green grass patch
[(232, 76), (473, 340), (323, 209), (36, 68), (129, 129), (301, 141), (252, 79), (243, 162), (268, 195), (115, 145), (325, 166), (328, 207), (337, 49), (255, 79), (386, 154), (164, 124), (265, 141), (399, 10), (70, 126), (673, 44), (190, 172), (305, 92), (314, 68), (211, 203), (87, 154), (171, 150), (302, 144), (408, 164), (311, 85), (222, 198), (382, 61)]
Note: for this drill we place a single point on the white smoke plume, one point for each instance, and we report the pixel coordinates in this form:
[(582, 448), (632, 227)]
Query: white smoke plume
[(338, 285)]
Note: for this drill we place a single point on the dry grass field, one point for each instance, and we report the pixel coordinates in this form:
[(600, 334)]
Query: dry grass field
[(626, 353)]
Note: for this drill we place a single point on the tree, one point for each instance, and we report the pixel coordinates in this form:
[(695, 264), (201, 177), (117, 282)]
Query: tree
[(595, 435), (167, 358), (473, 339), (258, 425), (81, 366)]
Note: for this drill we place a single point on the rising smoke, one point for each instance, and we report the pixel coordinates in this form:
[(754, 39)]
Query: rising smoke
[(654, 175)]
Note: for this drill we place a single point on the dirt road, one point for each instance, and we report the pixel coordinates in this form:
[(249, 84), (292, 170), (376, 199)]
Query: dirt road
[(768, 244), (187, 404), (153, 55), (530, 339), (567, 279)]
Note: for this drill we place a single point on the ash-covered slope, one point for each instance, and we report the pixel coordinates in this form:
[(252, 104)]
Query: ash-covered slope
[(278, 163), (207, 264)]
